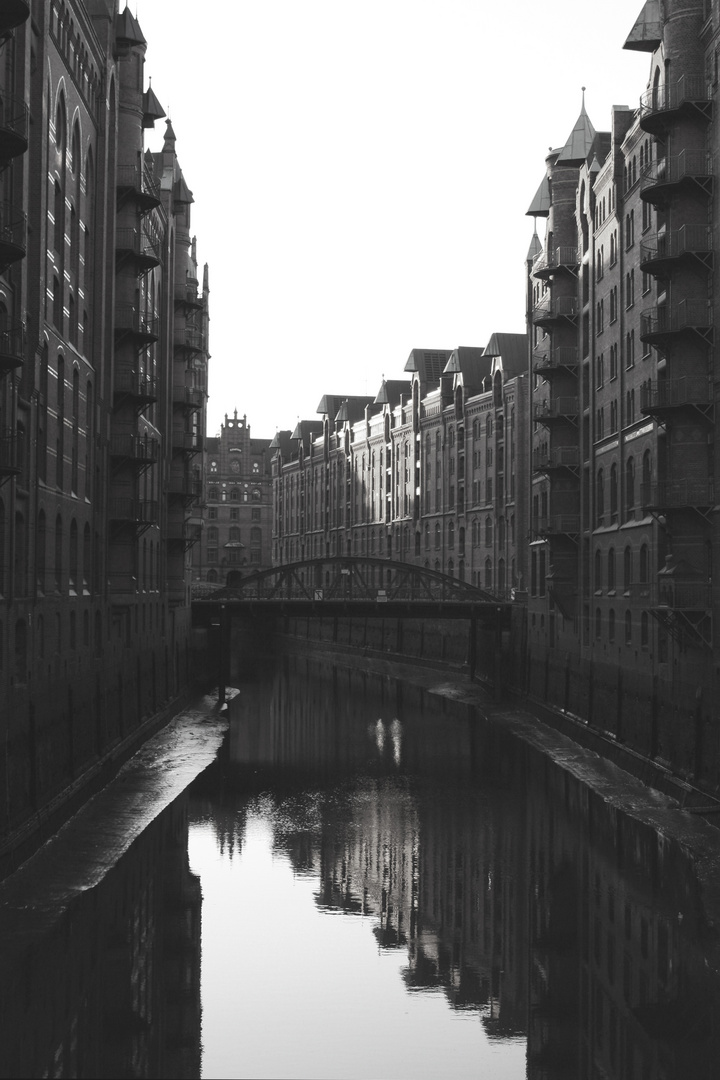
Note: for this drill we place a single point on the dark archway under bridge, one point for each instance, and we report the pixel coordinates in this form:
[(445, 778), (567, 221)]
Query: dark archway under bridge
[(346, 587)]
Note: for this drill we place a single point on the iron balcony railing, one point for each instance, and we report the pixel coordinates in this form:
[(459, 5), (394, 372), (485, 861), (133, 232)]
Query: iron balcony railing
[(139, 511), (137, 178), (559, 457), (560, 256), (190, 337), (191, 396), (681, 595), (142, 243), (687, 165), (674, 318), (556, 408), (128, 319), (9, 456), (14, 125), (560, 307), (136, 383), (558, 524), (562, 356), (674, 393), (13, 230), (687, 240), (689, 89), (12, 342), (678, 494), (135, 448)]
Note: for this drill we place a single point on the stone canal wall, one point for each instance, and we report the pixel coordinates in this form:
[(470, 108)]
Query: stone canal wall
[(658, 727)]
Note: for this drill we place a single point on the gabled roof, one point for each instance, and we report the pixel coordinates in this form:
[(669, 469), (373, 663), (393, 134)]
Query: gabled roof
[(305, 429), (391, 391), (471, 363), (281, 442), (152, 109), (512, 349), (330, 403), (429, 364), (352, 409), (127, 29), (535, 247), (646, 34), (540, 206), (580, 142)]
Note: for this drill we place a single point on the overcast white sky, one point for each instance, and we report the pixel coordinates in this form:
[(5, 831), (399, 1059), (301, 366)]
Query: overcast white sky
[(361, 173)]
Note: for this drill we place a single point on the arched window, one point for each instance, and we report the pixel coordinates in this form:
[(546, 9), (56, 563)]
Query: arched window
[(461, 541), (73, 555), (629, 486), (488, 573), (599, 497), (488, 531), (611, 569), (437, 535), (451, 568), (212, 535), (451, 534), (598, 569), (628, 627), (644, 564), (58, 554), (234, 534), (644, 629), (627, 568), (611, 624), (613, 492)]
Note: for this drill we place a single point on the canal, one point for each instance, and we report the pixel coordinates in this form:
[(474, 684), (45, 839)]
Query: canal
[(370, 881)]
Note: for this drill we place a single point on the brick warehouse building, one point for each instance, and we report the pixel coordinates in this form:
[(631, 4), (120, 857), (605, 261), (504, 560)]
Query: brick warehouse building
[(611, 525), (103, 361), (623, 519), (237, 525), (432, 470)]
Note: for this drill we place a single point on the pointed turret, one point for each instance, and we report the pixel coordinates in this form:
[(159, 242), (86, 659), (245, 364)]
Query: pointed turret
[(578, 147), (540, 206), (646, 34), (127, 30), (152, 109), (535, 247)]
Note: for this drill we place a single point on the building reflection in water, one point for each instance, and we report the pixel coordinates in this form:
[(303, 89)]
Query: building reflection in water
[(509, 884), (112, 988)]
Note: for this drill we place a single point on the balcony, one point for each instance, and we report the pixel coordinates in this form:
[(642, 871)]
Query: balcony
[(12, 344), (190, 339), (563, 359), (661, 106), (134, 449), (188, 397), (560, 525), (659, 325), (140, 245), (660, 178), (561, 257), (14, 121), (186, 296), (668, 395), (13, 230), (660, 253), (684, 608), (551, 312), (136, 385), (13, 13), (134, 181), (184, 532), (184, 487), (559, 457), (9, 456), (140, 325), (139, 512), (671, 495), (190, 442), (557, 408)]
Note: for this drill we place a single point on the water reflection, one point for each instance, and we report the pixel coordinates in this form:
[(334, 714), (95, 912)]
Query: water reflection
[(389, 888), (497, 878), (111, 988)]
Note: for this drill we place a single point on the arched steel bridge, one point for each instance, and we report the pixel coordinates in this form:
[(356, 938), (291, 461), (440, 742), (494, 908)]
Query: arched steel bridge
[(339, 586), (348, 578), (345, 587)]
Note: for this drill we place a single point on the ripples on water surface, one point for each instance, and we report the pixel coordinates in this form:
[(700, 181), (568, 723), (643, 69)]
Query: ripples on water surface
[(375, 884)]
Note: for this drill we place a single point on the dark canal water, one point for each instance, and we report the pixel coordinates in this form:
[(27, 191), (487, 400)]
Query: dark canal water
[(370, 883)]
